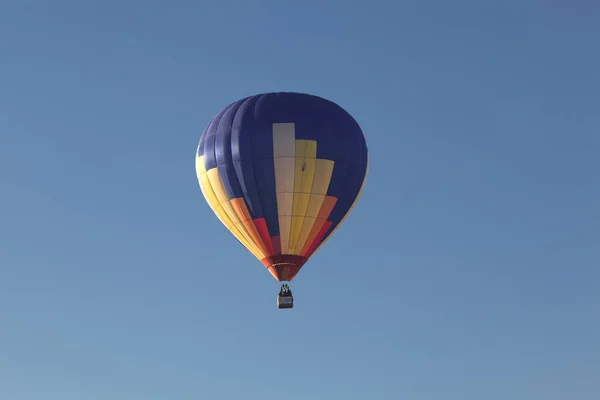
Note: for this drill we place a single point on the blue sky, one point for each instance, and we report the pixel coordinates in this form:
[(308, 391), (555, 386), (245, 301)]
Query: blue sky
[(470, 265)]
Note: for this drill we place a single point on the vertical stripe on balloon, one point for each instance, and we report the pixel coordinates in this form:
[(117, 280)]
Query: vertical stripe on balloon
[(306, 160), (284, 150), (320, 184)]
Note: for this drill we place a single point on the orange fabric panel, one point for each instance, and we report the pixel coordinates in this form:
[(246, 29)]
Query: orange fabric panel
[(326, 207), (240, 208), (263, 231), (312, 235), (317, 240)]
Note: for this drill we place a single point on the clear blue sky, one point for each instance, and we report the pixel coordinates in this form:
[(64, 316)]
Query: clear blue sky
[(471, 262)]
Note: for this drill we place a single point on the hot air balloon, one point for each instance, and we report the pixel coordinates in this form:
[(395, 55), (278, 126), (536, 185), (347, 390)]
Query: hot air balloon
[(282, 172)]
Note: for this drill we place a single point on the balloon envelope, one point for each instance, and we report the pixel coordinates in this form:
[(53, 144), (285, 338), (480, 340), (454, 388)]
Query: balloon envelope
[(282, 171)]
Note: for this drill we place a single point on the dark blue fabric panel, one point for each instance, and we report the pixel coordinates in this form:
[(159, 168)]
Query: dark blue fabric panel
[(259, 126), (266, 112), (345, 201), (328, 233), (245, 173), (200, 150), (333, 141), (242, 131), (229, 179), (265, 181), (223, 152), (348, 177), (210, 159)]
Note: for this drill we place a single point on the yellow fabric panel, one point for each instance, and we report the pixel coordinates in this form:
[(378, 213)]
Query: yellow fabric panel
[(299, 155), (201, 170), (298, 216), (314, 205), (216, 196), (238, 230), (326, 207), (296, 227), (323, 171), (360, 192), (311, 149), (210, 197), (306, 153), (308, 175), (219, 188), (302, 187), (235, 219), (212, 200), (300, 204), (242, 211), (255, 246), (200, 167), (310, 233), (231, 212), (317, 187), (217, 185), (320, 184), (234, 228), (298, 177), (307, 225)]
